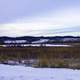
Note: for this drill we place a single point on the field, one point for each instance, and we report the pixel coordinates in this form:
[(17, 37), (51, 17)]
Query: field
[(9, 72), (68, 57)]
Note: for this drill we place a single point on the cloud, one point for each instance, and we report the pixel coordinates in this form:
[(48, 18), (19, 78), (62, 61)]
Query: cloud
[(61, 23)]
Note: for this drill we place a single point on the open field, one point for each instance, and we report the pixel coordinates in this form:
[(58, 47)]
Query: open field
[(44, 56), (8, 72)]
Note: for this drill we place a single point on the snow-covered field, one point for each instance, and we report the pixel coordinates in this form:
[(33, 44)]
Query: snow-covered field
[(38, 45), (8, 72)]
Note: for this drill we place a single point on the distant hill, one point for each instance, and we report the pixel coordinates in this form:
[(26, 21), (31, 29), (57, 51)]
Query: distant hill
[(35, 40)]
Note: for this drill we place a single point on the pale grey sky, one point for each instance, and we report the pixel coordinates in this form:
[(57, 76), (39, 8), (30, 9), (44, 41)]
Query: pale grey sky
[(39, 17)]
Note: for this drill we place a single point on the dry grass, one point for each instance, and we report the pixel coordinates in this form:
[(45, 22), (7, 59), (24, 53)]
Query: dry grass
[(47, 56)]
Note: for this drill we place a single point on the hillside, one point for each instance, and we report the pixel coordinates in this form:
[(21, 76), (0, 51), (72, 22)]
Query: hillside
[(38, 40)]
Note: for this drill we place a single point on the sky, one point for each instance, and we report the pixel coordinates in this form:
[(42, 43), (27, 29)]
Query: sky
[(39, 18)]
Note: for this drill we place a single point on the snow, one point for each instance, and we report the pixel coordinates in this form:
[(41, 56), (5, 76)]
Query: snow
[(49, 45), (15, 41), (8, 72), (57, 45), (38, 45), (41, 41)]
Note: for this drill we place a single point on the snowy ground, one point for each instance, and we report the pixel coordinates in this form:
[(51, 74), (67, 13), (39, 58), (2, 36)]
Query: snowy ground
[(38, 45), (8, 72)]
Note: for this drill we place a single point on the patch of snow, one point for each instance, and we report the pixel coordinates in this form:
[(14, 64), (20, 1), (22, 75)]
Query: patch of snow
[(41, 41), (15, 41), (8, 72), (71, 39), (56, 45), (48, 45), (3, 45)]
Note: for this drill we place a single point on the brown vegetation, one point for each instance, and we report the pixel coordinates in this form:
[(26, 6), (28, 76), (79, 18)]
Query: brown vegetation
[(47, 56)]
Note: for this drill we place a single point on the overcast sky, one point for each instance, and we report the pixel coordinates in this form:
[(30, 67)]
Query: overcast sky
[(39, 17)]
